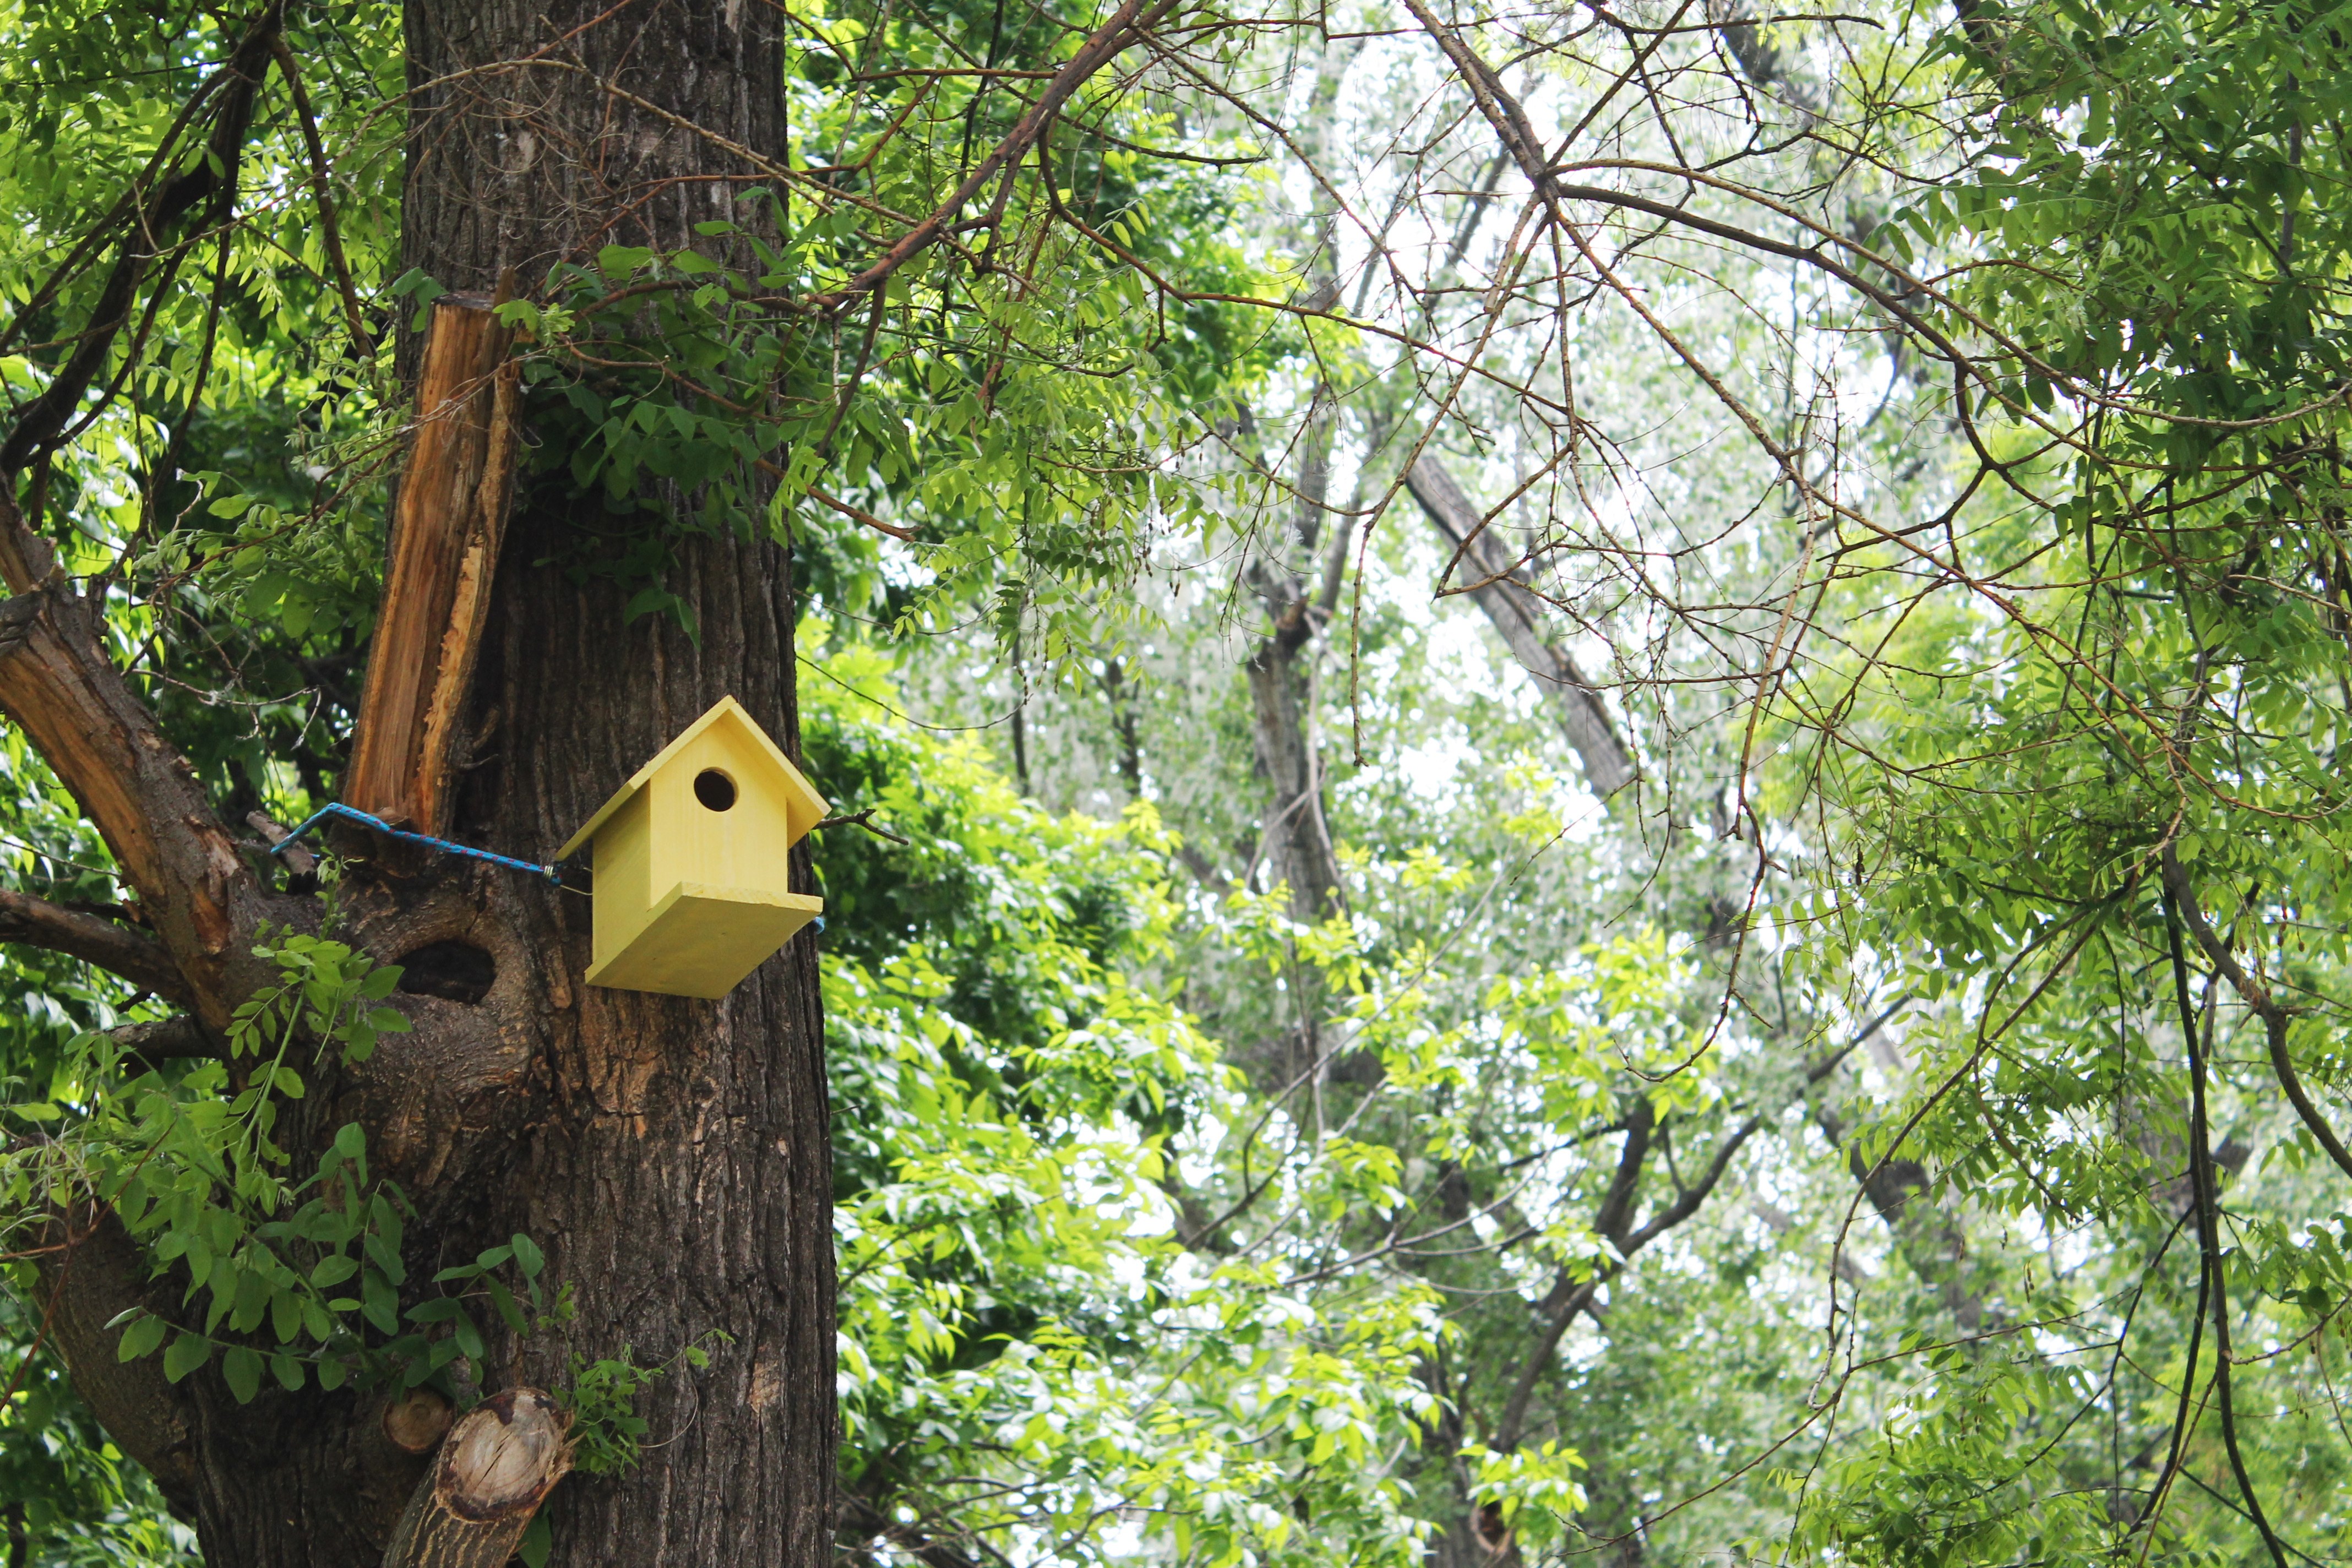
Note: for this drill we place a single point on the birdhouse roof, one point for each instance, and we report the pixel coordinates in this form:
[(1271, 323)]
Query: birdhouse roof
[(726, 711)]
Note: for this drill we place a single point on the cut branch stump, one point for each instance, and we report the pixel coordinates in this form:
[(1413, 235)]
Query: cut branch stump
[(495, 1467)]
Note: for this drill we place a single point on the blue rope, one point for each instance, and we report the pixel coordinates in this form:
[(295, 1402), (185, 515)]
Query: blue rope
[(380, 826)]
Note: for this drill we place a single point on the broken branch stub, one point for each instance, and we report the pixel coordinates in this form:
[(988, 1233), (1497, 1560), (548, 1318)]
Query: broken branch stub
[(417, 1420), (495, 1467), (447, 529)]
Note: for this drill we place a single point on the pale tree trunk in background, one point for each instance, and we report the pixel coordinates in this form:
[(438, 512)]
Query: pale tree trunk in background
[(1295, 845), (1518, 614)]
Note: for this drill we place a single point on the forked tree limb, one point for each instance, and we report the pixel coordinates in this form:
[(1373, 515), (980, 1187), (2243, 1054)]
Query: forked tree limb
[(495, 1467), (2275, 1016), (59, 685), (1569, 1297), (1613, 1219), (61, 689)]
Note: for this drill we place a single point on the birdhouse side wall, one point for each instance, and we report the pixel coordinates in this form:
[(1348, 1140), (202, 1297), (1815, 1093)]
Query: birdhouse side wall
[(623, 862), (748, 845)]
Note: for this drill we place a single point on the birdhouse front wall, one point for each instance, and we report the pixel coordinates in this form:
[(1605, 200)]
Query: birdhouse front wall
[(748, 845)]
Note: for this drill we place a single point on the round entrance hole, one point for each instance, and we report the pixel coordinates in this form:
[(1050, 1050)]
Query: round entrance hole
[(714, 789)]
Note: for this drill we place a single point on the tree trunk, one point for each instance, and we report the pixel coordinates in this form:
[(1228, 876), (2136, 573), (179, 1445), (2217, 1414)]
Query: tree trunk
[(675, 1157), (671, 1157)]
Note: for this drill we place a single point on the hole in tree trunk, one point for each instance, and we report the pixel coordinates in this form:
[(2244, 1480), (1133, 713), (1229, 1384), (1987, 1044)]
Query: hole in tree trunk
[(714, 789), (454, 971)]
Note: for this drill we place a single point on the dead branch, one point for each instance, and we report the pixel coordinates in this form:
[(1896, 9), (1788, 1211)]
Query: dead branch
[(451, 520)]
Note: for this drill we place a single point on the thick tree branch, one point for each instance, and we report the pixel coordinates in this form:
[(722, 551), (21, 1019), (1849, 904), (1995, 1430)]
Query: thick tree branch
[(1616, 1210), (59, 687), (116, 949), (165, 1039), (1569, 1299), (87, 1272)]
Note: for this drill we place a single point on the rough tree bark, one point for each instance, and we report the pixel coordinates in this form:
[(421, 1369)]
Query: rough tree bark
[(671, 1156)]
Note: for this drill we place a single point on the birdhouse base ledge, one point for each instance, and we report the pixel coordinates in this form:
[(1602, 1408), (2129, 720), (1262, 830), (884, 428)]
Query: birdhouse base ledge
[(703, 940)]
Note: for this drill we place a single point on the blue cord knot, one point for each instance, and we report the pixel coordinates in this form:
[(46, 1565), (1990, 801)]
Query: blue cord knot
[(551, 873)]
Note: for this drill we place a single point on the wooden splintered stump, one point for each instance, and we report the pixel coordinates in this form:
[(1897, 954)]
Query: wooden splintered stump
[(446, 534), (495, 1467)]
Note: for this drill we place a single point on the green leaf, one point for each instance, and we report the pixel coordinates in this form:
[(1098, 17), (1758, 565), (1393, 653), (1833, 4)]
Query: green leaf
[(141, 1337), (186, 1352), (503, 1301), (537, 1539), (241, 1366), (378, 1301), (285, 1314)]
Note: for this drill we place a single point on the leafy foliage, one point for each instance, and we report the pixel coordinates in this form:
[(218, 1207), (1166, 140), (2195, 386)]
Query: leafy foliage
[(1904, 1130)]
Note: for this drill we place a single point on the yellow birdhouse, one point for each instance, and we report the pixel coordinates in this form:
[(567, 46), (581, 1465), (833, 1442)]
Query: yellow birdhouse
[(692, 890)]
